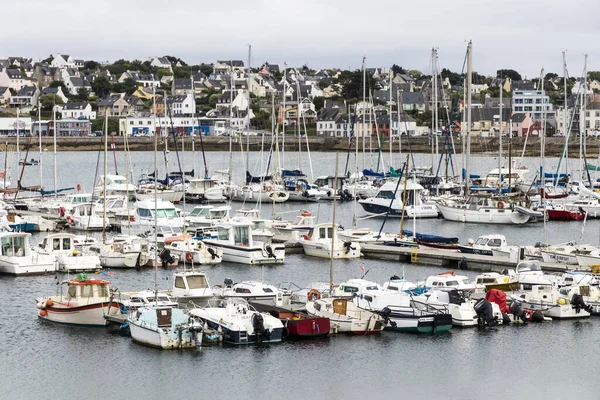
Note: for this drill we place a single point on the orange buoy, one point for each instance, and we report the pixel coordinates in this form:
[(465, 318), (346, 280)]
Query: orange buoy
[(306, 214), (78, 187), (49, 303), (43, 313), (189, 256)]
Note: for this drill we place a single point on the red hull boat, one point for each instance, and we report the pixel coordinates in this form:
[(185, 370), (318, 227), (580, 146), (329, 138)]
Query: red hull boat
[(564, 215), (297, 325)]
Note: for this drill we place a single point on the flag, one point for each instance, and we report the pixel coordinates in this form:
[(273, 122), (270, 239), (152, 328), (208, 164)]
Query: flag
[(362, 268)]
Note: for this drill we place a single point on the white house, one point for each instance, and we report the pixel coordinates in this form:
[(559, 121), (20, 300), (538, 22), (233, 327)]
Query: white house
[(4, 94), (57, 91), (161, 62), (74, 83), (147, 125), (240, 99), (76, 111), (26, 98), (144, 80), (535, 102), (13, 79), (479, 88), (63, 61), (179, 105)]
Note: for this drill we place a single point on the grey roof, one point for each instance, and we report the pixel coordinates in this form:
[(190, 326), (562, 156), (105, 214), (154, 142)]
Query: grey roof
[(27, 91), (75, 106), (382, 95), (65, 56), (518, 117), (3, 90), (51, 90), (233, 63), (182, 83), (77, 81), (412, 98), (164, 60), (329, 114), (272, 67), (334, 104), (488, 113), (522, 85), (109, 100), (14, 73)]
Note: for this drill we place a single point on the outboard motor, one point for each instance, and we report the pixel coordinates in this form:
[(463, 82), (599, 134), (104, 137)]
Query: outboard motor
[(386, 313), (577, 303), (166, 257), (270, 251), (228, 282), (525, 315), (348, 247), (258, 323), (346, 195), (212, 252), (485, 314)]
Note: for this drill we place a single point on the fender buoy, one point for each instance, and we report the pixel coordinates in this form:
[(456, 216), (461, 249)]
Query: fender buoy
[(43, 313), (62, 211), (500, 205), (78, 187), (189, 256), (49, 303), (313, 294)]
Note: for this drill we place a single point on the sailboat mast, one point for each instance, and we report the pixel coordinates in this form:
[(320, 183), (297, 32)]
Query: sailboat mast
[(248, 111), (54, 144), (585, 97), (155, 215), (582, 120), (500, 139), (435, 106), (230, 122), (104, 178), (283, 111), (364, 104), (41, 150), (333, 230), (565, 123), (18, 134), (390, 136), (542, 131), (468, 88)]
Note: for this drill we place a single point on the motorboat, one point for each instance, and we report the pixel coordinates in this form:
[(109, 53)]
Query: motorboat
[(147, 191), (260, 230), (122, 252), (115, 185), (568, 253), (397, 199), (207, 215), (87, 217), (195, 252), (114, 205), (332, 188), (551, 303), (191, 286), (494, 280), (145, 215), (296, 325), (17, 257), (589, 293), (401, 313), (86, 303), (352, 287), (323, 241), (449, 279), (366, 235), (454, 301), (204, 190), (529, 274), (484, 245), (148, 298), (63, 205), (301, 224), (165, 327), (61, 246), (235, 240), (265, 192), (482, 209), (300, 190), (345, 316), (239, 323), (589, 205), (246, 290)]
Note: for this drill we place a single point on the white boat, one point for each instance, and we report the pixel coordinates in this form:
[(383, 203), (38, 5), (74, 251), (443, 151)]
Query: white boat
[(165, 328), (115, 185), (551, 303), (143, 215), (484, 245), (345, 316), (195, 252), (246, 290), (63, 205), (591, 206), (87, 217), (455, 301), (61, 247), (529, 274), (239, 323), (352, 287), (479, 209), (382, 202), (589, 293), (238, 246), (266, 192), (260, 230), (500, 178), (147, 298), (146, 192), (17, 257), (323, 241), (570, 253), (367, 235), (449, 280), (301, 224), (204, 190), (122, 252), (402, 313), (206, 216), (300, 190), (191, 286), (86, 302)]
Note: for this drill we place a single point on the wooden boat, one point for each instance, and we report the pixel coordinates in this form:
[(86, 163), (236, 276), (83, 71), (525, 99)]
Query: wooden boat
[(297, 325)]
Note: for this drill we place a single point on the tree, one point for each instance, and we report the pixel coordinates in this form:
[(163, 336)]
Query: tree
[(90, 65), (510, 73), (82, 94), (213, 99), (175, 60), (127, 86), (56, 84), (550, 75), (261, 120), (98, 125), (398, 70), (206, 69), (323, 84), (101, 86), (119, 66), (454, 78), (182, 72), (48, 101), (352, 85), (319, 102), (160, 72), (478, 79), (594, 75), (416, 74)]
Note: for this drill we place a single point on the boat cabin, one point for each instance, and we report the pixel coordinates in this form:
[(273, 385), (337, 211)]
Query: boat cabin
[(73, 199), (322, 232), (201, 185), (148, 297), (84, 288), (490, 241), (15, 244), (58, 243), (413, 192), (330, 182), (85, 210), (163, 209), (529, 267), (449, 279), (238, 234), (190, 283), (348, 288)]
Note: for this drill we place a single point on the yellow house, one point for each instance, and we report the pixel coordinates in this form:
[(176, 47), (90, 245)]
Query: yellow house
[(144, 93)]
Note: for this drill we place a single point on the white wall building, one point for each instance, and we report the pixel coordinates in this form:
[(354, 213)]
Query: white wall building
[(535, 102), (147, 125)]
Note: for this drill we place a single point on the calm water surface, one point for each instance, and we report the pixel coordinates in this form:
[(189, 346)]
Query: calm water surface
[(46, 361)]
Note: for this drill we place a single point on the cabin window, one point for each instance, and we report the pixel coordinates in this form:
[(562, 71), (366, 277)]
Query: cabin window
[(166, 213), (197, 282), (199, 211), (66, 244), (136, 300), (240, 234), (103, 291), (218, 214), (392, 288), (179, 283), (369, 298), (118, 204), (452, 283), (87, 290), (55, 244), (494, 242), (481, 241), (322, 233), (44, 243), (72, 292), (223, 233), (144, 212), (385, 194), (267, 290), (13, 246), (242, 290), (350, 289)]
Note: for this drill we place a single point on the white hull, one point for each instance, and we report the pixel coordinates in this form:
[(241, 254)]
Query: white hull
[(276, 196), (363, 322), (199, 257), (128, 260), (153, 336), (587, 261), (26, 269), (323, 250), (80, 314), (78, 263), (253, 255), (483, 216), (560, 258), (167, 195)]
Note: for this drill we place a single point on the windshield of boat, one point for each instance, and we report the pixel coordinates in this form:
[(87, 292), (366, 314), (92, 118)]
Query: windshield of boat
[(482, 241), (13, 246), (259, 225), (495, 242), (217, 214), (385, 194), (350, 289), (165, 213), (201, 211), (197, 282), (119, 181), (160, 298)]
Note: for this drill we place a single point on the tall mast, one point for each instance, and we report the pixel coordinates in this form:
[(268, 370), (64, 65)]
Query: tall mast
[(230, 121), (582, 120), (155, 210), (542, 132), (364, 101), (18, 134), (500, 139), (565, 124), (585, 97), (435, 106), (104, 178), (468, 88), (333, 230), (248, 111), (283, 117), (41, 150), (54, 145), (390, 103)]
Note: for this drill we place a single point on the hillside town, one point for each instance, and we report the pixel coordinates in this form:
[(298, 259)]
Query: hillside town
[(162, 95)]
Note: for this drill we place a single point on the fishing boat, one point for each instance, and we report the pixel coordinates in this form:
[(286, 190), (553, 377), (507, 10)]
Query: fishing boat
[(144, 298), (264, 192), (235, 240), (122, 252), (61, 246), (142, 217), (260, 230), (115, 185), (245, 289), (190, 285), (449, 279), (296, 325), (395, 199), (567, 253), (551, 303), (145, 191), (207, 215), (558, 213), (480, 209), (204, 190), (87, 217), (484, 245), (301, 224), (323, 241), (345, 316), (454, 301), (86, 303), (165, 328), (17, 257), (195, 252), (239, 323)]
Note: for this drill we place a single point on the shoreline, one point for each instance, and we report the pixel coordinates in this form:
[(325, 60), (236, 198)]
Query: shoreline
[(479, 145)]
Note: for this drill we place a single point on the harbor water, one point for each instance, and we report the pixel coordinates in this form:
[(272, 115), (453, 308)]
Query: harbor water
[(42, 360)]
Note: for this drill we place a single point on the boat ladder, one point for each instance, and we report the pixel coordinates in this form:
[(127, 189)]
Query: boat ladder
[(243, 336)]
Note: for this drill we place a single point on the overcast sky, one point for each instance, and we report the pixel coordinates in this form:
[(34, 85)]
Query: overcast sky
[(525, 35)]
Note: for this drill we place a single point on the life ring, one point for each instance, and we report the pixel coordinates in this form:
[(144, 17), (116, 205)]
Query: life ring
[(501, 205), (306, 214), (313, 294), (189, 256)]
